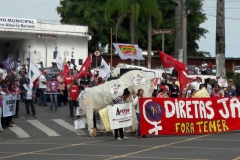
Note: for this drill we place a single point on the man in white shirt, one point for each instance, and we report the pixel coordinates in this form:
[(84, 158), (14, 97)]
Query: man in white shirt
[(29, 91), (42, 88), (204, 68), (196, 83)]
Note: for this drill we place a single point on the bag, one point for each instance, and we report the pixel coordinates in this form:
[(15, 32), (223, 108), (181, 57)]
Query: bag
[(79, 111), (79, 124)]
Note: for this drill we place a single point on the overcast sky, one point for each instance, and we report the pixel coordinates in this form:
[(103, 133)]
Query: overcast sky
[(46, 10)]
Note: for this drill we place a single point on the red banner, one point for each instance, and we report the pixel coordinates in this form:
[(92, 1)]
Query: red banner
[(84, 67), (184, 116)]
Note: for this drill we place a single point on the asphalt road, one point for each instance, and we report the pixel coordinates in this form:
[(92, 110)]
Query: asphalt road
[(51, 139)]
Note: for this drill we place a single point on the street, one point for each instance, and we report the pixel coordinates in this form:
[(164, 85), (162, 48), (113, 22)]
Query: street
[(52, 136)]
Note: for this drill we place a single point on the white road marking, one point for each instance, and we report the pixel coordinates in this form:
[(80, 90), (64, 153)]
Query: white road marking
[(19, 131), (86, 121), (69, 126), (43, 128)]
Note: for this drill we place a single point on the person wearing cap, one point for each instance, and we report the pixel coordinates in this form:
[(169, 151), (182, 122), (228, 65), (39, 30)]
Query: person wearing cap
[(230, 82), (163, 92), (197, 83), (53, 88), (174, 89), (61, 86), (42, 84), (229, 91), (29, 96)]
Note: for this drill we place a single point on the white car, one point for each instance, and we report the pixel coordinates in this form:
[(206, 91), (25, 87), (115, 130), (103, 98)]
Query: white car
[(237, 69)]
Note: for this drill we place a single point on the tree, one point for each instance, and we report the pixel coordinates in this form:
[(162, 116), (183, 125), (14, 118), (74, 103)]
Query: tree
[(89, 13)]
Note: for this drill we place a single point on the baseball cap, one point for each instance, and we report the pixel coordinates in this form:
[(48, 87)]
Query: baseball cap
[(198, 77), (230, 80), (43, 71), (164, 87), (99, 77), (217, 76)]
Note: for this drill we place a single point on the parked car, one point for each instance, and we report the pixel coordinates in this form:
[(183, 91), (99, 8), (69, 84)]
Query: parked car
[(237, 69), (214, 69), (191, 69)]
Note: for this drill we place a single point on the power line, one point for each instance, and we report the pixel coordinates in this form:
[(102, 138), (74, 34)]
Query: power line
[(230, 18)]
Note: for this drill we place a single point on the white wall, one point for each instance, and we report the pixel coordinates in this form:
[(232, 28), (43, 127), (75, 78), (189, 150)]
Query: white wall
[(29, 45)]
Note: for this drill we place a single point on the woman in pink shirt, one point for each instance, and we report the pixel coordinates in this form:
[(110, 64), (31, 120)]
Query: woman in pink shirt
[(53, 88), (163, 92), (217, 92)]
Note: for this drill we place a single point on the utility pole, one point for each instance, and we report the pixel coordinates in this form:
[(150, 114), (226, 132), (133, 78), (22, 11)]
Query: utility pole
[(149, 54), (184, 31), (220, 39), (178, 28)]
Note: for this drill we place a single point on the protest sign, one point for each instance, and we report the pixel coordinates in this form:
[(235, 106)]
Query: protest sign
[(120, 115), (9, 105), (184, 116), (202, 94)]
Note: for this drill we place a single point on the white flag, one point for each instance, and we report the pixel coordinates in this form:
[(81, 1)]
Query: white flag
[(104, 69), (34, 72), (59, 60), (128, 51)]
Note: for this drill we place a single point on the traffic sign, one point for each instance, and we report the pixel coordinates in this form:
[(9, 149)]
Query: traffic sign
[(162, 31), (46, 36)]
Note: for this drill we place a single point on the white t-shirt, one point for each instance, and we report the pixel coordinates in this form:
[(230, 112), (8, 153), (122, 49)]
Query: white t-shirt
[(198, 70), (29, 90), (41, 79), (203, 65), (196, 85)]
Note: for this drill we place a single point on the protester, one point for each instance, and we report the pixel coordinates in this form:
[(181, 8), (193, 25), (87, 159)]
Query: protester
[(120, 100), (136, 105), (1, 109), (201, 86), (198, 70), (187, 89), (230, 82), (42, 88), (209, 68), (193, 92), (238, 86), (11, 76), (196, 83), (229, 91), (53, 88), (5, 120), (17, 91), (73, 97), (67, 80), (189, 94), (61, 86), (208, 86), (174, 89), (204, 68), (163, 92), (24, 68), (22, 81), (85, 80), (29, 95), (75, 71), (217, 92)]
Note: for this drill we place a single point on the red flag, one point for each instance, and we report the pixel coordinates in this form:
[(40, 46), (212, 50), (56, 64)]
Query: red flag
[(169, 62), (84, 67)]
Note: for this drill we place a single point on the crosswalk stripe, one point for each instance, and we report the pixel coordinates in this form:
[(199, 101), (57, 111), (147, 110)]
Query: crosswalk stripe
[(19, 131), (86, 121), (43, 128), (69, 127)]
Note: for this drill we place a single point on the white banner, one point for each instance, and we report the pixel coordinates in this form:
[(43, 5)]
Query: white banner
[(21, 23), (104, 70), (128, 51), (9, 105), (120, 115)]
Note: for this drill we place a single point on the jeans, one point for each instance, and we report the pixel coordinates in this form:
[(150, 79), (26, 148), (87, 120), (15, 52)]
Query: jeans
[(42, 96), (120, 131), (53, 98), (73, 104), (31, 103), (138, 129)]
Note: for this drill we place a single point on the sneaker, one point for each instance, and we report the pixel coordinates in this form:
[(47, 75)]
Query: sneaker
[(35, 116), (28, 116), (125, 137), (119, 139)]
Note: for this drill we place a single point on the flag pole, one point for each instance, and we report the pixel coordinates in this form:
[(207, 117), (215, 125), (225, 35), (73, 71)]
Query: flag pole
[(111, 50)]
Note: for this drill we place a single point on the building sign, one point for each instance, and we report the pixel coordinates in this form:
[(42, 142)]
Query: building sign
[(46, 36), (162, 31), (21, 23)]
